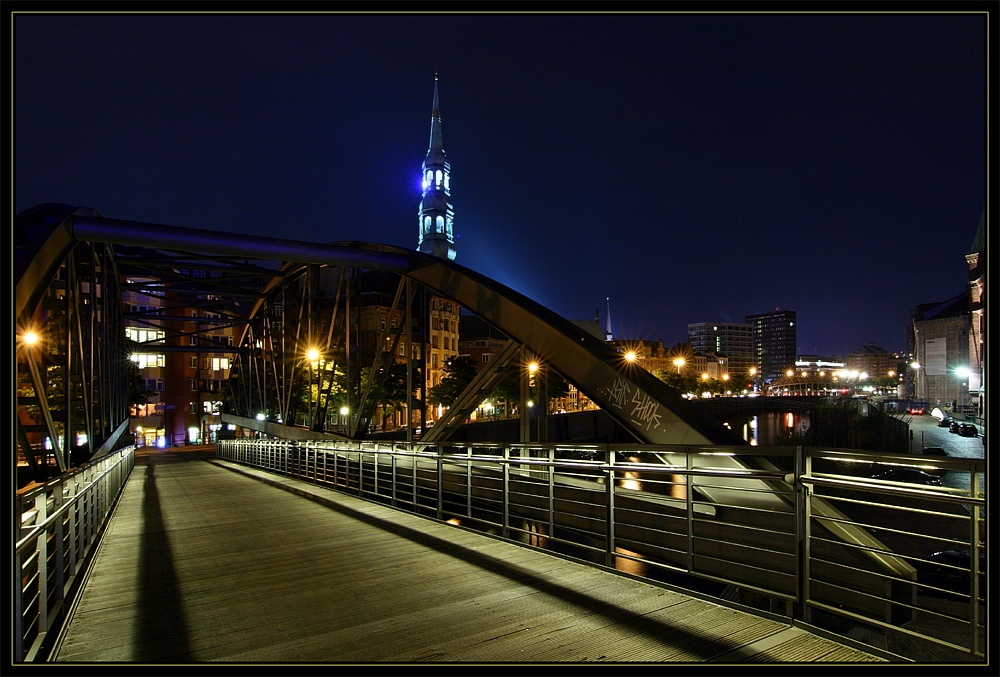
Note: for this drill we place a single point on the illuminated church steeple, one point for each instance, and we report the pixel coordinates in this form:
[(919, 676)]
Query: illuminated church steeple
[(437, 217)]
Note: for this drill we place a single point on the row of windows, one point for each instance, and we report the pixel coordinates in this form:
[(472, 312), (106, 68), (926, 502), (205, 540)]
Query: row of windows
[(441, 226), (443, 323), (144, 335), (482, 343), (437, 177), (200, 273), (212, 384), (146, 361), (212, 340), (213, 363), (135, 309)]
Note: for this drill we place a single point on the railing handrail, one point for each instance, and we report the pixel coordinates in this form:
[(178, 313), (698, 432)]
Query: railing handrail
[(342, 466)]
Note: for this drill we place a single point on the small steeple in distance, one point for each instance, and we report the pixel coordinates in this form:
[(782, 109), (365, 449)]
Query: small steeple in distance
[(437, 217)]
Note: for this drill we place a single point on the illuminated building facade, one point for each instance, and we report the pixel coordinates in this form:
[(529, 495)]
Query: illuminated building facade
[(976, 260), (774, 342), (878, 363), (733, 340)]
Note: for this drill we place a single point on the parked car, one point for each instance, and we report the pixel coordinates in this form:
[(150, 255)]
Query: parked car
[(935, 451), (945, 422), (953, 426), (950, 569), (911, 475), (968, 430)]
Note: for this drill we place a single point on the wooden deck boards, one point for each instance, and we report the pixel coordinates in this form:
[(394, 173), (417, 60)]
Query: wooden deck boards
[(208, 561)]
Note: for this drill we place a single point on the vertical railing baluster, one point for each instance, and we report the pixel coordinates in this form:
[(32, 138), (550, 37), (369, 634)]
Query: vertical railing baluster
[(609, 500)]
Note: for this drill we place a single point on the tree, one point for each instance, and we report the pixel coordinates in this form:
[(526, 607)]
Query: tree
[(459, 370), (388, 391), (508, 390)]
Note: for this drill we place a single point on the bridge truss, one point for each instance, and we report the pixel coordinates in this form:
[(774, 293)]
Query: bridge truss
[(76, 271)]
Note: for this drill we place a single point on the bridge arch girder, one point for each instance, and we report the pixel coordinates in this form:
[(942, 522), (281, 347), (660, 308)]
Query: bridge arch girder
[(641, 404)]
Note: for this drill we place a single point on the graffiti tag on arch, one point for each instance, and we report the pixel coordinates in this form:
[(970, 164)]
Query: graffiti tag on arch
[(646, 410), (618, 393)]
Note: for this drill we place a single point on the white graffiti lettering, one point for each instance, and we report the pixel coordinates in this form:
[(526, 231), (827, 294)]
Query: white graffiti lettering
[(618, 393), (646, 410)]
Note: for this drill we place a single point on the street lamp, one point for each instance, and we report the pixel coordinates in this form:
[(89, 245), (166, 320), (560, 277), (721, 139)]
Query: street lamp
[(679, 362), (312, 355), (915, 366), (963, 373)]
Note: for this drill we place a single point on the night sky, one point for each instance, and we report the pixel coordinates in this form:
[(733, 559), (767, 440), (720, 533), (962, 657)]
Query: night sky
[(691, 167)]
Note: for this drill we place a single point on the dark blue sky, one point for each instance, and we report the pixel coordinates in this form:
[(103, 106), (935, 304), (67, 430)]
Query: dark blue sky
[(690, 167)]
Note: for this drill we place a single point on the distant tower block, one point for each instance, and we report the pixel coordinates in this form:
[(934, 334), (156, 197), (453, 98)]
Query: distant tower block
[(437, 217)]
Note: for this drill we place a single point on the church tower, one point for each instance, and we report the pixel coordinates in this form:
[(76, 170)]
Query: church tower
[(437, 227)]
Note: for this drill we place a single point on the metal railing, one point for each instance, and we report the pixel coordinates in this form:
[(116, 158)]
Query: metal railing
[(799, 531), (57, 526)]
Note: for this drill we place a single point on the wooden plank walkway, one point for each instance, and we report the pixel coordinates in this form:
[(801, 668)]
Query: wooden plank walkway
[(209, 561)]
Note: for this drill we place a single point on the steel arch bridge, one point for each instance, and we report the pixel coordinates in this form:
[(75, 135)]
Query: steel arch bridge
[(74, 267)]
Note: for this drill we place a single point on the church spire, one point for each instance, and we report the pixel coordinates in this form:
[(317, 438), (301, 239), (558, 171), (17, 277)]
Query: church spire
[(436, 216)]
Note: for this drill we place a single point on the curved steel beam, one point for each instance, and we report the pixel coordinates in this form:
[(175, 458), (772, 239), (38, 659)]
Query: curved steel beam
[(652, 411)]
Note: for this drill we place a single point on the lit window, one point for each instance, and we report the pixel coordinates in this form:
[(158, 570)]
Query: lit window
[(146, 361), (437, 178), (440, 224)]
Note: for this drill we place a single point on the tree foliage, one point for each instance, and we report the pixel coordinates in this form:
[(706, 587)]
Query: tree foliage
[(459, 372), (388, 390)]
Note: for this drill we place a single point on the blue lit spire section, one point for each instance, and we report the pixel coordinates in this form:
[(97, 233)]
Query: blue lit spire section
[(436, 215)]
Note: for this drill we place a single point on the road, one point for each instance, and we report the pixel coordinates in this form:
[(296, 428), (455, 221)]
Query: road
[(926, 433)]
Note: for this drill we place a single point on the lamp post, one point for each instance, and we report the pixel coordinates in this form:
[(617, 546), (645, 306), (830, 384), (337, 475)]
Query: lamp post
[(963, 374), (31, 344), (915, 366), (313, 357), (679, 362)]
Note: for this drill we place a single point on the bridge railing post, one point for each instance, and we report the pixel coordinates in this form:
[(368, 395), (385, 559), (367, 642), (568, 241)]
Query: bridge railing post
[(505, 494), (609, 502), (802, 466)]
